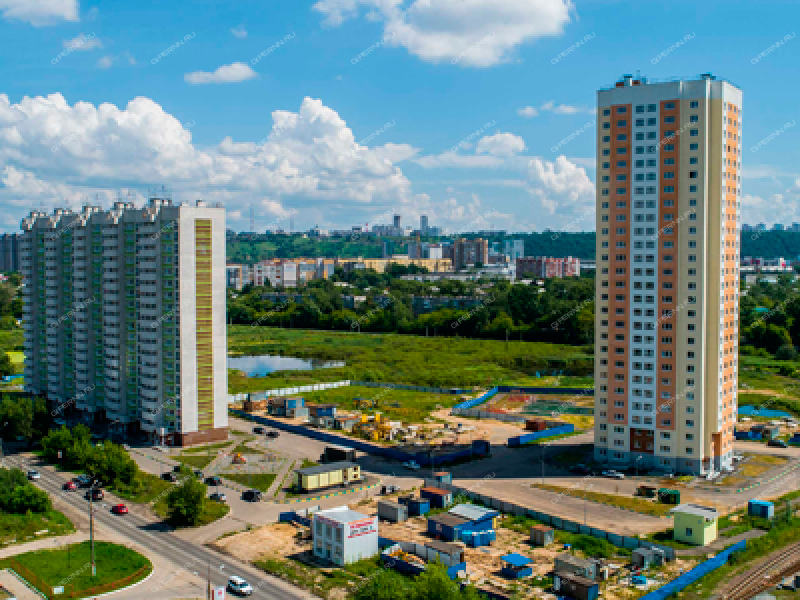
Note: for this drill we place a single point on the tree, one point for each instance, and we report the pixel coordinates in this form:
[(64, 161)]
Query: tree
[(386, 585), (435, 584), (185, 503), (26, 498)]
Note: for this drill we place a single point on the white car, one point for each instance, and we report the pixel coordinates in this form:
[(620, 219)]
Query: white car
[(411, 465), (34, 475), (239, 587), (613, 474)]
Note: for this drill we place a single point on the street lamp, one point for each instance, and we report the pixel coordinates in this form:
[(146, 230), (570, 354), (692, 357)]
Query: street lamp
[(636, 464)]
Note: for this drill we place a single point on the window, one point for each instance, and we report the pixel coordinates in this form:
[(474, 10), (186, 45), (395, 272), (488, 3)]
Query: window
[(693, 160), (640, 122), (606, 125), (694, 104), (621, 137), (693, 133), (606, 138), (669, 119), (640, 108), (669, 106), (689, 531), (693, 146), (622, 110), (606, 112), (694, 119), (622, 123), (651, 108), (692, 174), (669, 189)]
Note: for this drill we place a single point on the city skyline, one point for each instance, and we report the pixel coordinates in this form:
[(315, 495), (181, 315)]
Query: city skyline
[(293, 110)]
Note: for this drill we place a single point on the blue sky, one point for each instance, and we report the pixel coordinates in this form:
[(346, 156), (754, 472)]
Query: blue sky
[(339, 112)]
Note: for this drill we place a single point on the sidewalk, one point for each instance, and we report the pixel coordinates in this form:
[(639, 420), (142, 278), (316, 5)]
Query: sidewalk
[(275, 488), (48, 543)]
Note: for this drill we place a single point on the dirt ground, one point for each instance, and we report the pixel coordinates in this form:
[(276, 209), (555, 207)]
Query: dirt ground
[(276, 540)]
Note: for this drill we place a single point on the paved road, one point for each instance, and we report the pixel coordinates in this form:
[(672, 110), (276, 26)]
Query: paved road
[(156, 539)]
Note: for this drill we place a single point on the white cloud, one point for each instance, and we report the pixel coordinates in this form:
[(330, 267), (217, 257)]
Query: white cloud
[(239, 32), (566, 109), (40, 12), (232, 73), (83, 42), (105, 62), (528, 111), (777, 208), (500, 144), (473, 33), (562, 186), (61, 153)]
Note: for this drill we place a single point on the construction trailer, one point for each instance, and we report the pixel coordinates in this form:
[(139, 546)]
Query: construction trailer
[(283, 406), (322, 415), (567, 563), (392, 511), (345, 422), (479, 518), (335, 453), (446, 526), (644, 558), (669, 496), (311, 479), (438, 498), (516, 566), (761, 508), (542, 535), (411, 559), (569, 585), (646, 491), (344, 536), (416, 506), (443, 477)]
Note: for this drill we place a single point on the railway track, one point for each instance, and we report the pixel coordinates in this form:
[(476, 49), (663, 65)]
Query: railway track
[(766, 575)]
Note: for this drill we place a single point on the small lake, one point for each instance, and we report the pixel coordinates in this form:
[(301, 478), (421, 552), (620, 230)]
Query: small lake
[(259, 366), (753, 411)]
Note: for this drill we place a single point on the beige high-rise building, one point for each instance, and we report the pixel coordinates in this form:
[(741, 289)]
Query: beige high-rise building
[(667, 297), (124, 317)]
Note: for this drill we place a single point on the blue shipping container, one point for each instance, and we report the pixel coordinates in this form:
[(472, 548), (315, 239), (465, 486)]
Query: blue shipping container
[(760, 508)]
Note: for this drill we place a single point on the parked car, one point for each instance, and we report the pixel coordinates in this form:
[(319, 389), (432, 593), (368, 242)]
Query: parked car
[(411, 465), (213, 480), (198, 473), (97, 495), (258, 430), (218, 497), (83, 480), (34, 475), (273, 434), (239, 587), (119, 509), (613, 474), (777, 444), (70, 486), (169, 477), (177, 468), (252, 496)]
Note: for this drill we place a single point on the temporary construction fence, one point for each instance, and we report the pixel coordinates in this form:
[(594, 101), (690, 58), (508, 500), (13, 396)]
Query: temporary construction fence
[(458, 408), (701, 570), (621, 541), (477, 448), (314, 387), (537, 435), (412, 388)]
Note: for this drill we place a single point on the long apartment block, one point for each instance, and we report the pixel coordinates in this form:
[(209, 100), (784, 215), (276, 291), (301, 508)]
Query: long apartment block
[(124, 317), (669, 160)]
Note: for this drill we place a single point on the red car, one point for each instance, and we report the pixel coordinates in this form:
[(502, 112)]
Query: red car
[(119, 509), (70, 486)]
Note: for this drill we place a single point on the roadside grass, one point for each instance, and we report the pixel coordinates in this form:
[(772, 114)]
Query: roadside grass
[(195, 461), (666, 538), (114, 563), (754, 470), (144, 489), (258, 481), (243, 448), (211, 511), (308, 463), (210, 448), (551, 438), (397, 358), (19, 528), (626, 502), (319, 581), (766, 458)]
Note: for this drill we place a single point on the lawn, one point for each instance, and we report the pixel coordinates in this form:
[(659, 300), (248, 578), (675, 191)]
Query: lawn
[(117, 566), (211, 448), (212, 510), (589, 545), (321, 581), (15, 528), (195, 461), (145, 488), (259, 481), (628, 502), (416, 360)]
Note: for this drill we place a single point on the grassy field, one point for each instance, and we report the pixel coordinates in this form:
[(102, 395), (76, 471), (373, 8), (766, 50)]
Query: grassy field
[(68, 566), (259, 481), (438, 362), (15, 529), (590, 546), (628, 502), (195, 461)]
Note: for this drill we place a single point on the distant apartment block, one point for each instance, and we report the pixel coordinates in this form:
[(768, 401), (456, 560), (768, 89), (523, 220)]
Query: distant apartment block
[(470, 252), (424, 250), (546, 267), (667, 286), (514, 249), (9, 252), (124, 317)]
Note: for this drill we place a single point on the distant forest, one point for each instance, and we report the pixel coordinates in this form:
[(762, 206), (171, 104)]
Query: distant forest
[(246, 249)]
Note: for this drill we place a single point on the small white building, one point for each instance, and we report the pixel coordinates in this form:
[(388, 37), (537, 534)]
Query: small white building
[(344, 536)]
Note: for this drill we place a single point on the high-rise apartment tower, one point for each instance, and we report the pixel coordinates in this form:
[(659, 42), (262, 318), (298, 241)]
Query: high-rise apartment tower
[(124, 317), (667, 297)]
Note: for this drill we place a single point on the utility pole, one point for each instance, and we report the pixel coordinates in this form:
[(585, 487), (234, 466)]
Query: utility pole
[(91, 526), (208, 576)]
